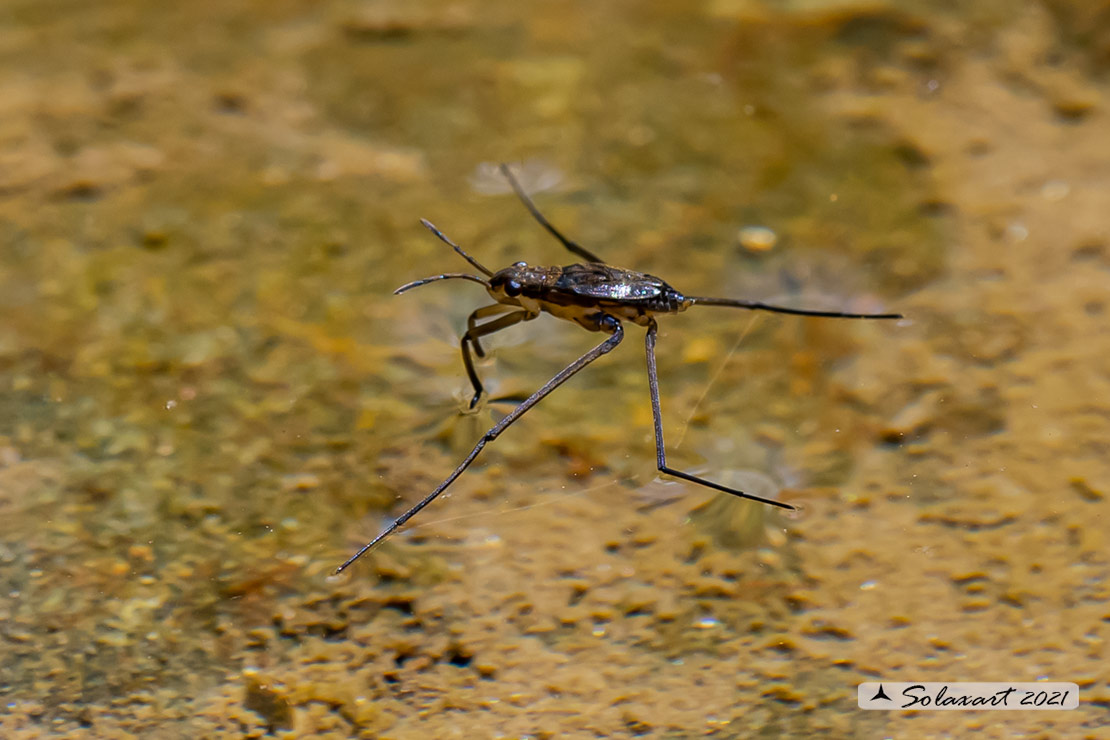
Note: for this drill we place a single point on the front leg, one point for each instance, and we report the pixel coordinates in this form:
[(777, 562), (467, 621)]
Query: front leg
[(471, 337), (483, 313)]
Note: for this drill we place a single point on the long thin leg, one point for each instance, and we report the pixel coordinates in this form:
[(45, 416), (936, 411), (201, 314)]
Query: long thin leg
[(607, 323), (574, 247), (758, 306), (660, 452), (471, 337)]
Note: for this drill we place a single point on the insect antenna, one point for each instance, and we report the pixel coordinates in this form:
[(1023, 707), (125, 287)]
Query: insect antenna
[(574, 247), (757, 306), (446, 276), (477, 265)]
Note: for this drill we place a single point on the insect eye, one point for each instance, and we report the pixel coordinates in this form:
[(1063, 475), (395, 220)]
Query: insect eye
[(513, 288)]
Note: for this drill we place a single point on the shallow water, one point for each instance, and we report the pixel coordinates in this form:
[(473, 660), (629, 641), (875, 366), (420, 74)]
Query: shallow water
[(210, 396)]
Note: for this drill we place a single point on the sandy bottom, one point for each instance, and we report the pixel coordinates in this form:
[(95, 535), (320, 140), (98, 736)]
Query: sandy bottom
[(210, 398)]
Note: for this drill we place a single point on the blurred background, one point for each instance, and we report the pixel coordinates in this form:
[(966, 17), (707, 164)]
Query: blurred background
[(210, 396)]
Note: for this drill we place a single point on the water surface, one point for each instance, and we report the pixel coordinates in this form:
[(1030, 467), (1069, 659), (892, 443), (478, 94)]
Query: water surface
[(210, 396)]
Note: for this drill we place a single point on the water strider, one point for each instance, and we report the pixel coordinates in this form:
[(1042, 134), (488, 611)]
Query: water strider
[(592, 294)]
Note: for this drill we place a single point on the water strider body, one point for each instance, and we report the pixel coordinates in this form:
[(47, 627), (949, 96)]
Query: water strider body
[(583, 293), (595, 296)]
